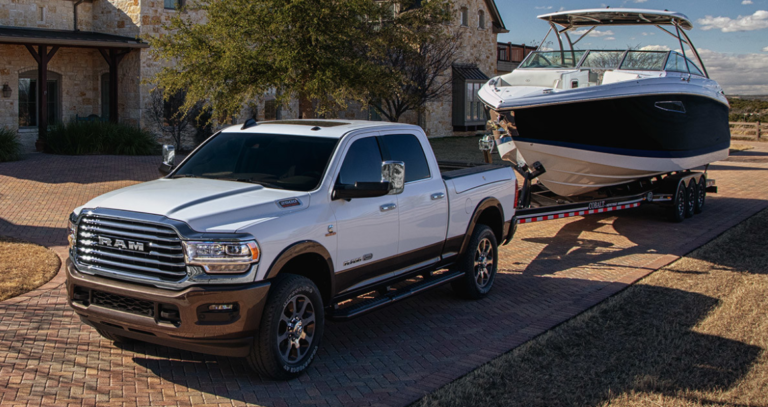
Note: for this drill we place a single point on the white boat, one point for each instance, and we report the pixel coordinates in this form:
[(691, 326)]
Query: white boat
[(598, 118)]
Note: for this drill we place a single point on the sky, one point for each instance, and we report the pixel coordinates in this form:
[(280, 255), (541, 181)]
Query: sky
[(730, 35)]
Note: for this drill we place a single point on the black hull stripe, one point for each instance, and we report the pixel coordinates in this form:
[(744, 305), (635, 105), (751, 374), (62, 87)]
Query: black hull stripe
[(626, 151)]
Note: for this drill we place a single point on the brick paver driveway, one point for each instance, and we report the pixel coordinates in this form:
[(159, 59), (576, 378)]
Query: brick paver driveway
[(550, 272)]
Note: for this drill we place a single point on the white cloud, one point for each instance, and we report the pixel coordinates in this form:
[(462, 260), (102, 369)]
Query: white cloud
[(610, 38), (594, 33), (543, 7), (640, 1), (655, 48), (765, 49), (737, 73), (756, 21), (645, 34), (745, 2)]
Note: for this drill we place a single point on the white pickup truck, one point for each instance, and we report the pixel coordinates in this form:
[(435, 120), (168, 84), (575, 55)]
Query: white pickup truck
[(267, 229)]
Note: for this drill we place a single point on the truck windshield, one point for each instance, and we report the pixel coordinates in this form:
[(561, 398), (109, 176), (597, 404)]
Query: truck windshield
[(278, 161)]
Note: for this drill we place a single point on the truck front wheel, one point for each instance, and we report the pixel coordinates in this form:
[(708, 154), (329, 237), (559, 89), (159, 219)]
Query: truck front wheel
[(479, 264), (291, 329)]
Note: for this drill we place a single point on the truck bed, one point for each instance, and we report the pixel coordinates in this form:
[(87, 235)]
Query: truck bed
[(454, 169)]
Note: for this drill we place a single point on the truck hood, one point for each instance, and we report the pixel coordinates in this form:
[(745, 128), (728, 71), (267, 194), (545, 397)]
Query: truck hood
[(206, 205)]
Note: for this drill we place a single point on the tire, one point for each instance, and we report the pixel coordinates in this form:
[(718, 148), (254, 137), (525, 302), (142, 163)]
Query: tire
[(677, 212), (291, 329), (690, 199), (479, 264), (113, 337), (701, 195)]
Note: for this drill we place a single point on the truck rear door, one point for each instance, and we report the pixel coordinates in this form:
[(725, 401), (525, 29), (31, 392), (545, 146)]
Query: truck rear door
[(423, 205)]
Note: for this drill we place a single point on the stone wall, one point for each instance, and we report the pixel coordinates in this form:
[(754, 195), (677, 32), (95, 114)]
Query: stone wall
[(50, 14), (117, 17), (478, 46), (79, 87)]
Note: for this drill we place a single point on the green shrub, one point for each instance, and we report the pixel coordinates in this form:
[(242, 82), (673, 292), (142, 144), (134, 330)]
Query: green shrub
[(10, 148), (78, 138)]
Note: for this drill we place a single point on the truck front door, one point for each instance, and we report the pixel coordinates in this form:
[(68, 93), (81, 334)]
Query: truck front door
[(367, 228)]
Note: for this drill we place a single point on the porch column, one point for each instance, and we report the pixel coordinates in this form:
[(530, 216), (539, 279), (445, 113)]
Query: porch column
[(42, 56), (113, 58)]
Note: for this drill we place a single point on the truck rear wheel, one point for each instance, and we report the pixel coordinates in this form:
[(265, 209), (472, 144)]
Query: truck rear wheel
[(479, 264), (291, 329)]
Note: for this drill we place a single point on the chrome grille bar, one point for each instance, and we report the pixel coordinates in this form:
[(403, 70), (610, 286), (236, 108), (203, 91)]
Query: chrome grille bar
[(122, 233), (96, 252)]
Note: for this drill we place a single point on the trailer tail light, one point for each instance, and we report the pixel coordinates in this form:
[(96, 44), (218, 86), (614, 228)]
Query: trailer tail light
[(517, 194)]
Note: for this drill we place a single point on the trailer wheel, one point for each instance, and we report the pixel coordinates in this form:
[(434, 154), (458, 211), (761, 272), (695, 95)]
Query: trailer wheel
[(677, 212), (479, 265), (690, 199), (701, 194)]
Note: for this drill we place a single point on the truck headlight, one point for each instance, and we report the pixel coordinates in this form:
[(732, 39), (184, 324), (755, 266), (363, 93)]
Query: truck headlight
[(222, 257)]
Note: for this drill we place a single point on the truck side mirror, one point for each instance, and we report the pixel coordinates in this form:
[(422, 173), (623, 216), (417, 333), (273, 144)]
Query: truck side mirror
[(169, 159), (393, 172)]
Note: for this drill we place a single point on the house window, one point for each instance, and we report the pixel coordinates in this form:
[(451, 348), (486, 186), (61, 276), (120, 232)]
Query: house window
[(481, 19), (468, 110), (473, 106), (173, 4), (503, 54), (464, 17), (28, 98), (272, 111)]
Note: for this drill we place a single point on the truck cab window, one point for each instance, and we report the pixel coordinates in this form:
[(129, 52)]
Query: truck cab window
[(406, 148), (362, 162)]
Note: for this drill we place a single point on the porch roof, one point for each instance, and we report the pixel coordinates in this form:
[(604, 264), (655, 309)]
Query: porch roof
[(66, 38)]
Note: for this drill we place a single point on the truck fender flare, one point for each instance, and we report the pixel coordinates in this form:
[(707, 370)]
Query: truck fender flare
[(298, 249), (479, 209)]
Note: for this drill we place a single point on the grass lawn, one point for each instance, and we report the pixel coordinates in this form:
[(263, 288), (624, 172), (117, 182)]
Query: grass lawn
[(692, 334), (24, 267)]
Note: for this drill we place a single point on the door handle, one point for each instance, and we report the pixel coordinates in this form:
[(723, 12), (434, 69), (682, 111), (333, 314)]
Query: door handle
[(438, 195), (387, 207)]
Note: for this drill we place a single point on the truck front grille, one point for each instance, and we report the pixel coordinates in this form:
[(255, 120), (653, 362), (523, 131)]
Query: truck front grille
[(130, 247)]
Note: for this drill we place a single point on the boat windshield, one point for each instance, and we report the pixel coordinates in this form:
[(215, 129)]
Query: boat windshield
[(645, 60), (603, 59), (552, 59)]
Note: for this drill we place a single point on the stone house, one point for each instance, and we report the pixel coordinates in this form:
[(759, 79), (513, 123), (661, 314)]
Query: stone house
[(509, 56), (90, 56)]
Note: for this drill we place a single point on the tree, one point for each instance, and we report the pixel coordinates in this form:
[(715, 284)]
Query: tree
[(323, 50), (421, 51), (167, 113)]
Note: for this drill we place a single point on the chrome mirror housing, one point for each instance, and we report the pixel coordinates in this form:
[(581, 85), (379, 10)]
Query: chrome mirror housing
[(394, 173), (169, 155)]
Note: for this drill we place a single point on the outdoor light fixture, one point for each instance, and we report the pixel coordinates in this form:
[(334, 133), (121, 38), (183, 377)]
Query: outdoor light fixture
[(6, 90)]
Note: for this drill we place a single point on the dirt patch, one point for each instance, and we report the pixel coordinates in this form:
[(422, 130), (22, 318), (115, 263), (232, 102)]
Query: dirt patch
[(24, 267), (736, 147), (691, 334)]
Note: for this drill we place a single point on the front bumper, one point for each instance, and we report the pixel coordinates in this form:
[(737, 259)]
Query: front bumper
[(179, 319)]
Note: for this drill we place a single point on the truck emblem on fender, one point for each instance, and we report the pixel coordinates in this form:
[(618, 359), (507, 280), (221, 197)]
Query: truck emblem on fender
[(121, 244), (287, 203)]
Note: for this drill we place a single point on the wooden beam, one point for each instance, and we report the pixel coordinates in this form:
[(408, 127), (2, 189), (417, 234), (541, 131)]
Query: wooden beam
[(34, 53), (52, 52), (42, 92)]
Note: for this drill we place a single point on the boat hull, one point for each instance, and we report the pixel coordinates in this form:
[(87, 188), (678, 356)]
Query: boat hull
[(593, 144)]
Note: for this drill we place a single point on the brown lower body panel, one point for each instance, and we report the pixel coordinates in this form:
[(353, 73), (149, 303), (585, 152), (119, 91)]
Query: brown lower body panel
[(179, 319)]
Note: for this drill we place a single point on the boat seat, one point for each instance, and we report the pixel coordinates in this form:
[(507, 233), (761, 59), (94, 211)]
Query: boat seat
[(526, 77)]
